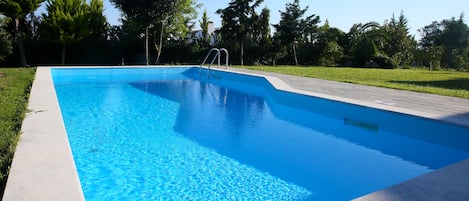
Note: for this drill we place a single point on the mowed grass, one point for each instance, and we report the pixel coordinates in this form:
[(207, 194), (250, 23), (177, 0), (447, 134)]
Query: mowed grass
[(15, 84), (448, 83)]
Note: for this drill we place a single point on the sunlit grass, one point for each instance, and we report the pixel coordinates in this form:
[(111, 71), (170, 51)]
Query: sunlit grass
[(448, 83)]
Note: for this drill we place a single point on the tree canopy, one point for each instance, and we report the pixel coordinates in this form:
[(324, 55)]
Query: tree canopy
[(151, 27), (164, 17), (447, 42), (5, 43), (293, 28), (16, 11), (69, 21), (237, 23)]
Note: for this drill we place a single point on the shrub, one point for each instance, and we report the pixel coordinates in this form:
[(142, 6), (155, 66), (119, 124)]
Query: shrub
[(385, 62)]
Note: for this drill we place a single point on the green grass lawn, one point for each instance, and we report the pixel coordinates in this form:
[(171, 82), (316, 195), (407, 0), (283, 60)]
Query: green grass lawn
[(15, 84), (448, 83)]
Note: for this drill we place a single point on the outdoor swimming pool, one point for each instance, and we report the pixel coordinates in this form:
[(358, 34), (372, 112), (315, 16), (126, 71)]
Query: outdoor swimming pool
[(173, 133)]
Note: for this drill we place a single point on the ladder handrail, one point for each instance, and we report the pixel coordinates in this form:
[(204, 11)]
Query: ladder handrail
[(206, 57), (217, 56), (227, 57)]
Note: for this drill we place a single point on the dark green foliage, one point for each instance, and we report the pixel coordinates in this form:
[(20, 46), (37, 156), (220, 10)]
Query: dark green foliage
[(330, 44), (205, 40), (16, 12), (159, 20), (237, 24), (68, 22), (5, 42), (297, 39), (365, 42), (294, 30), (452, 38), (400, 45), (384, 61)]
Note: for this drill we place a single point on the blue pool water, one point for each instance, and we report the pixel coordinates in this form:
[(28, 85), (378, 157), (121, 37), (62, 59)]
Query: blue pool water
[(177, 134)]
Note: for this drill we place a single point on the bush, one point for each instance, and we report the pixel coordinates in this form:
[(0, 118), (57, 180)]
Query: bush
[(385, 62)]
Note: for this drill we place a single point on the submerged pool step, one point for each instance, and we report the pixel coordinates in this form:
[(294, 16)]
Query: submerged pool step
[(361, 124)]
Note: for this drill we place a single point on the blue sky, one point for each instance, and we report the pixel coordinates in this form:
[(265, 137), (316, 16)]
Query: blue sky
[(344, 13)]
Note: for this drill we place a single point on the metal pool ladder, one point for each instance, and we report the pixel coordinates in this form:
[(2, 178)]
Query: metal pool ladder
[(217, 55)]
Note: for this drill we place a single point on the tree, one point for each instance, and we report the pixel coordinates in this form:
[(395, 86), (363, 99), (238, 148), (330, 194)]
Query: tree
[(451, 35), (161, 16), (16, 11), (329, 45), (146, 14), (365, 42), (237, 22), (204, 23), (69, 21), (264, 39), (5, 41), (401, 44), (178, 26), (293, 28), (451, 38), (264, 26), (98, 23)]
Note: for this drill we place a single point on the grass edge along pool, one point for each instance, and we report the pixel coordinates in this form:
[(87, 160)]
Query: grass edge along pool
[(355, 117)]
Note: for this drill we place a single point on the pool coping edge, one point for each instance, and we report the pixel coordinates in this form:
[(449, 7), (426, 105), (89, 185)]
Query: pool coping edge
[(43, 167)]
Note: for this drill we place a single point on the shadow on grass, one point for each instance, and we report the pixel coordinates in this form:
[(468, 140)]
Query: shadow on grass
[(462, 83)]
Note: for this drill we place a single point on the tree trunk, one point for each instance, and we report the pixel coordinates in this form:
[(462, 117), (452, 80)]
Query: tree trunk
[(160, 46), (242, 53), (19, 43), (294, 53), (23, 61), (63, 55), (146, 46)]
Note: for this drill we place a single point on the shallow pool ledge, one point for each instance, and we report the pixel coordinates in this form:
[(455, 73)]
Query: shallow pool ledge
[(43, 167)]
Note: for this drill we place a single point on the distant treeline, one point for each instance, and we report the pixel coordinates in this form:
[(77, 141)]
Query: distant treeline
[(75, 32)]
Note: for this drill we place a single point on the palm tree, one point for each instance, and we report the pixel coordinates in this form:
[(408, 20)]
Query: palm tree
[(16, 11), (365, 41)]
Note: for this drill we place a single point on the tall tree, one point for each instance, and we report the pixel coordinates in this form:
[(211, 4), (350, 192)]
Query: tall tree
[(401, 44), (263, 26), (328, 43), (365, 42), (158, 15), (293, 28), (98, 23), (237, 22), (453, 36), (69, 21), (17, 10), (177, 26), (204, 23), (261, 38)]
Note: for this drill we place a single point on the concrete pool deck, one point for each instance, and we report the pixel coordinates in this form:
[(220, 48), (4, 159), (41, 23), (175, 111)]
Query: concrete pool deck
[(43, 167)]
